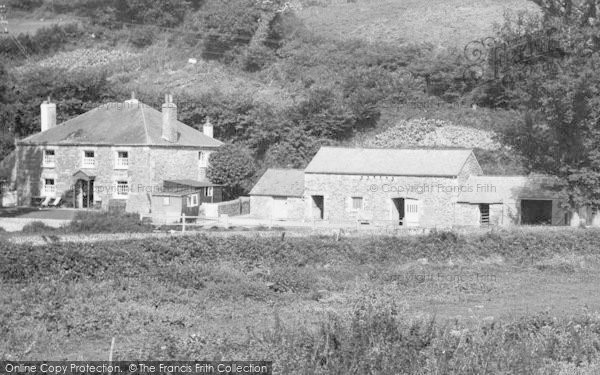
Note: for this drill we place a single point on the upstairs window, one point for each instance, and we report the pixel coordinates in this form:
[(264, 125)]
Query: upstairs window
[(49, 158), (89, 159), (203, 159), (49, 186), (122, 160)]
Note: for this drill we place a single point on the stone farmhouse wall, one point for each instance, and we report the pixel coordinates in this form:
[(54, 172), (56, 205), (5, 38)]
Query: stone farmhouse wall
[(148, 167)]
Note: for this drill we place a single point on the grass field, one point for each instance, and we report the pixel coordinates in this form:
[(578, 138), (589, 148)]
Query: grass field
[(238, 298), (449, 23)]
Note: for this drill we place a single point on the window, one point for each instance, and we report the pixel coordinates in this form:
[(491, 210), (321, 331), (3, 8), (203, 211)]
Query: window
[(49, 158), (89, 160), (412, 208), (484, 211), (49, 186), (192, 200), (122, 188), (209, 191), (166, 201), (357, 203), (203, 159), (122, 160)]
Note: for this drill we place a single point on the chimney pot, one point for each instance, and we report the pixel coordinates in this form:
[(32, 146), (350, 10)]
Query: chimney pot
[(208, 128), (47, 115)]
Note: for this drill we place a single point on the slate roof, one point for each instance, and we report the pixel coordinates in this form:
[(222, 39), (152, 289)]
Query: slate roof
[(119, 124), (389, 162), (499, 189), (280, 182)]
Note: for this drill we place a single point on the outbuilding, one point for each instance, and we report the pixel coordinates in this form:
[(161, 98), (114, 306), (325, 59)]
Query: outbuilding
[(279, 195)]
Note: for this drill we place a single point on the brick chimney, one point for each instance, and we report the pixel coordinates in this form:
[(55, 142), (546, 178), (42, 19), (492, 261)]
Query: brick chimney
[(208, 128), (48, 114), (169, 120)]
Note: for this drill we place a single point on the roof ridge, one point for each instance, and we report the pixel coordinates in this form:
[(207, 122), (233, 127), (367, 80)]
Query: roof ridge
[(145, 124)]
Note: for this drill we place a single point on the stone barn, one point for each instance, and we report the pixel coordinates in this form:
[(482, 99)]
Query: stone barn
[(400, 187), (279, 195)]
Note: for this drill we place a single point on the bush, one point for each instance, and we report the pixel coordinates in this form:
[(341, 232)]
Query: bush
[(36, 227), (107, 222)]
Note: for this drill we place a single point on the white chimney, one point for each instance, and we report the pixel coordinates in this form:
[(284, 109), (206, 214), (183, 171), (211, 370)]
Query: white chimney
[(48, 114), (133, 100), (169, 120), (208, 128)]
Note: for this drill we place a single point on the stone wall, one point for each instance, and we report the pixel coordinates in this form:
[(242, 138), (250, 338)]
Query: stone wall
[(434, 196), (262, 207)]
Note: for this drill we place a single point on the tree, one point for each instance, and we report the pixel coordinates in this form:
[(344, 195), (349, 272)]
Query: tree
[(559, 96), (233, 166)]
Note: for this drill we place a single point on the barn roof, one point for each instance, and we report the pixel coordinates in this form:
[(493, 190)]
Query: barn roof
[(193, 183), (499, 189), (280, 182), (119, 124), (389, 162)]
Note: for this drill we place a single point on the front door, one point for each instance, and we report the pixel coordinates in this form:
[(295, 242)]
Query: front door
[(280, 209)]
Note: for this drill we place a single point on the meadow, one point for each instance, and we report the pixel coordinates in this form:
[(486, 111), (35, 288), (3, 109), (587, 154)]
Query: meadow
[(448, 23), (503, 302)]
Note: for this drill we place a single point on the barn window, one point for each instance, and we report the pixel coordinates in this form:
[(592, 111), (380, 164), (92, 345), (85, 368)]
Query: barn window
[(166, 201), (357, 203), (484, 214), (209, 191)]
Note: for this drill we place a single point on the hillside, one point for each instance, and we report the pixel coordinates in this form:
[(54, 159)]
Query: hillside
[(444, 22)]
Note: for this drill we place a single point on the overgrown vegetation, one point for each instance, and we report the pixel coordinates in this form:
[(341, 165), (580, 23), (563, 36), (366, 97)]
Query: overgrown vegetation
[(312, 305)]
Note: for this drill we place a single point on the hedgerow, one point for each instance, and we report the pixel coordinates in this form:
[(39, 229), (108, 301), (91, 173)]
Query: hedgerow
[(105, 260)]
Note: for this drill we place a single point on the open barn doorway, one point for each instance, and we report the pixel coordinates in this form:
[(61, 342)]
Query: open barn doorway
[(399, 211), (536, 212)]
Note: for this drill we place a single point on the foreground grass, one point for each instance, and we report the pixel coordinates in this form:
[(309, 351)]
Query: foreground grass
[(500, 303)]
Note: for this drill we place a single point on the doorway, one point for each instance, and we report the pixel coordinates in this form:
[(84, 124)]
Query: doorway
[(84, 194), (318, 207), (536, 212), (398, 213)]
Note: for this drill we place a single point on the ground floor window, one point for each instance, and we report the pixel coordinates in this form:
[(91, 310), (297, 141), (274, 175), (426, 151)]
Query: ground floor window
[(484, 214), (122, 188), (49, 186)]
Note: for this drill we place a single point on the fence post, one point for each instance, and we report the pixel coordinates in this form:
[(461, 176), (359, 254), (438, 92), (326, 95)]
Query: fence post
[(183, 223)]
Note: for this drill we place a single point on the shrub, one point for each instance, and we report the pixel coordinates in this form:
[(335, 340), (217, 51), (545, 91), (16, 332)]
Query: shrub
[(107, 222), (36, 227)]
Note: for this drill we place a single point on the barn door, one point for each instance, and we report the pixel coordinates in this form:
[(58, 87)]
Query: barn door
[(280, 209), (411, 212)]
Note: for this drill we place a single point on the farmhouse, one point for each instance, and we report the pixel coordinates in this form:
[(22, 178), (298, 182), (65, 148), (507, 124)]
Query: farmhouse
[(409, 187), (117, 155)]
